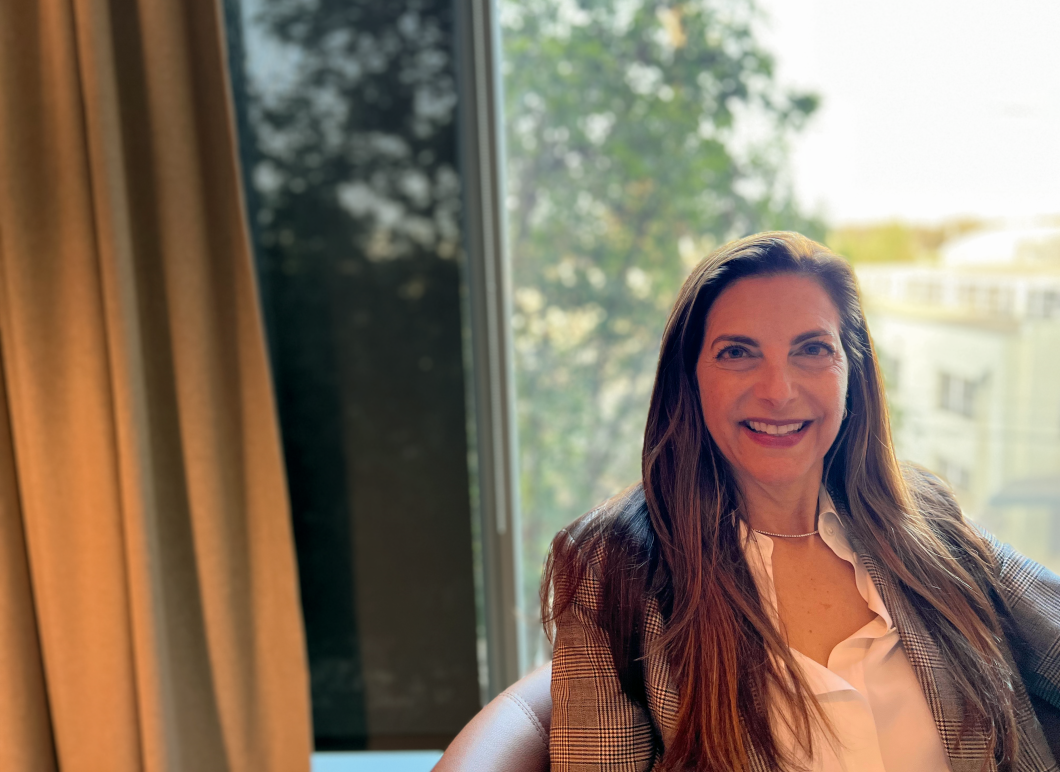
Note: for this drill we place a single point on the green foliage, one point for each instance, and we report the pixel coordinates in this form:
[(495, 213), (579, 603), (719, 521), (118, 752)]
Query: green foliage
[(896, 242), (356, 143), (890, 243), (640, 135)]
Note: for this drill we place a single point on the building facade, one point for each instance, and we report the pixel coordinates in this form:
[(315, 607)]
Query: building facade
[(970, 348)]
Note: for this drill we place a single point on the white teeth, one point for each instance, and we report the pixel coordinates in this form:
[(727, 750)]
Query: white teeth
[(774, 429)]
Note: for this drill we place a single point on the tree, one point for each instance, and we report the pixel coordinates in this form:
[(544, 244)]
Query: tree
[(896, 241), (640, 134)]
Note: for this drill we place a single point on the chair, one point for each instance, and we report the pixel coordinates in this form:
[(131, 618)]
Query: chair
[(508, 735)]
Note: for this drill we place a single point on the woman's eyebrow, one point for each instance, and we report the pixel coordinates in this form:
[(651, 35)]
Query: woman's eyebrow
[(811, 334), (735, 339)]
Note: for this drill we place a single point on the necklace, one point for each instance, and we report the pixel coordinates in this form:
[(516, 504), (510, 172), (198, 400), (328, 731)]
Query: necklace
[(816, 515), (787, 535)]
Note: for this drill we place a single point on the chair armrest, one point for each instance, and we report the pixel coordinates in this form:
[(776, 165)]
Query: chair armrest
[(510, 734)]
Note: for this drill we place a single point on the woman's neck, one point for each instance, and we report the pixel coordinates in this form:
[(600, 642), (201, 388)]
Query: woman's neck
[(789, 509)]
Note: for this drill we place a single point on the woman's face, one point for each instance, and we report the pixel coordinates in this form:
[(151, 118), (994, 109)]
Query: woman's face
[(773, 378)]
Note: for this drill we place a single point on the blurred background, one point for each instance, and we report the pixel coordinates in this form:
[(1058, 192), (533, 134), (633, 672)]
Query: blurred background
[(624, 139)]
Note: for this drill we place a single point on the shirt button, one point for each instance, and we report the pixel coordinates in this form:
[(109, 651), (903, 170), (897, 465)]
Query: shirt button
[(830, 531)]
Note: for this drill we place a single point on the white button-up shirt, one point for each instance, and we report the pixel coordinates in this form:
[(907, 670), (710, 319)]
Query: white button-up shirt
[(869, 690)]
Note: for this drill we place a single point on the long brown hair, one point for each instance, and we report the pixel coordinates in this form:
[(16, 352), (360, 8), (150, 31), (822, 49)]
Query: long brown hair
[(675, 538)]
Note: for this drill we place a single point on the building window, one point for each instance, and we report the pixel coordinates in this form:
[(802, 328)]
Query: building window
[(957, 394), (926, 291), (1043, 304)]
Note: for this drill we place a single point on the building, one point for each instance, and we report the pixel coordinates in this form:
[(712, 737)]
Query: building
[(970, 348)]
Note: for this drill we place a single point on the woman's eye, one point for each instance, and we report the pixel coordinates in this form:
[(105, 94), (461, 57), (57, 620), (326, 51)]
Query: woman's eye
[(817, 349), (732, 352)]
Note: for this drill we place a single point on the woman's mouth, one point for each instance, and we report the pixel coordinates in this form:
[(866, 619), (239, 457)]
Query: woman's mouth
[(776, 430), (775, 435)]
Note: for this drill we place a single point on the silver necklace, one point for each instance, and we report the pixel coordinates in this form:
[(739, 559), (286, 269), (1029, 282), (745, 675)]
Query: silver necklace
[(816, 517), (787, 535)]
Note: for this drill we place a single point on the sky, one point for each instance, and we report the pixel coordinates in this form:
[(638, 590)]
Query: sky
[(931, 109)]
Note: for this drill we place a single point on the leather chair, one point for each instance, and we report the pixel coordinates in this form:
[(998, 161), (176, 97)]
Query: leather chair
[(508, 735)]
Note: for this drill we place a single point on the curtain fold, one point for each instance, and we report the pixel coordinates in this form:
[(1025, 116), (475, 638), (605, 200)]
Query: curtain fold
[(149, 612)]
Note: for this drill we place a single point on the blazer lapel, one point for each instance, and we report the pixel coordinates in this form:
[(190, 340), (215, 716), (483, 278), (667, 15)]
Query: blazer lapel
[(932, 671)]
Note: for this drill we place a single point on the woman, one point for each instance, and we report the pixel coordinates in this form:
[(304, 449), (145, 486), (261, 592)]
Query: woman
[(778, 593)]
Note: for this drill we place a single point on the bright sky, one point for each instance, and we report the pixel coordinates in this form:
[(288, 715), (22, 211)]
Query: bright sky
[(931, 108)]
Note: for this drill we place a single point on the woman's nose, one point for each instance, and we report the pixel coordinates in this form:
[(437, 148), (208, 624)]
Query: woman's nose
[(775, 384)]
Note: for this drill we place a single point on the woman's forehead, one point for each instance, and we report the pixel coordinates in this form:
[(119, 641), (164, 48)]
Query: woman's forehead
[(779, 304)]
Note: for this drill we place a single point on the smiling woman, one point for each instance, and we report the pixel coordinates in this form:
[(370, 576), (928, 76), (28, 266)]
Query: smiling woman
[(778, 592)]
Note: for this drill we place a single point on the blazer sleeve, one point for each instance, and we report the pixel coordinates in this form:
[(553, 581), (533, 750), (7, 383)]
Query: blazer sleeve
[(595, 726), (1032, 594)]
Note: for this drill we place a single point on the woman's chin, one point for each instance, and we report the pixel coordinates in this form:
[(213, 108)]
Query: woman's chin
[(776, 474)]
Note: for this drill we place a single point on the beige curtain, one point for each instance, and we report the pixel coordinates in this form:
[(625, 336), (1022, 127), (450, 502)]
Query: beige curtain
[(149, 615)]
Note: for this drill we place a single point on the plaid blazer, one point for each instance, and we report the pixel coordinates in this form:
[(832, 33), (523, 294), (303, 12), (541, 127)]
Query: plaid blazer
[(595, 726)]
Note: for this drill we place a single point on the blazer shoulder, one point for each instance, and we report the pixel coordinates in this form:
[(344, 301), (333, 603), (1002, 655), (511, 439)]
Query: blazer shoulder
[(602, 533)]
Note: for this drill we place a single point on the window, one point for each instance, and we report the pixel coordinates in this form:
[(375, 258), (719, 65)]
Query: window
[(957, 395), (347, 116), (1044, 303), (639, 137)]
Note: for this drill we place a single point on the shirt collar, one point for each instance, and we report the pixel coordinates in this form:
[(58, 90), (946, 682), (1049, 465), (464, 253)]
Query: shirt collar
[(833, 531), (832, 528)]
